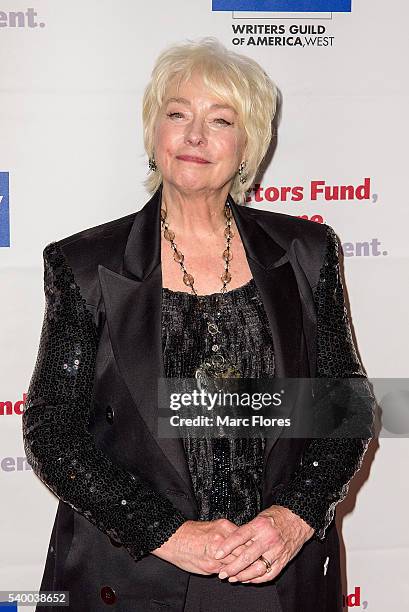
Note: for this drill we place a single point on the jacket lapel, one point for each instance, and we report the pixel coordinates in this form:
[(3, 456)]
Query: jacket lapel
[(133, 302), (277, 285)]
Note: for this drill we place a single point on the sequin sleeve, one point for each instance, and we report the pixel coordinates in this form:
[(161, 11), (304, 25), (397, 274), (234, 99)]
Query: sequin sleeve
[(58, 444), (329, 463)]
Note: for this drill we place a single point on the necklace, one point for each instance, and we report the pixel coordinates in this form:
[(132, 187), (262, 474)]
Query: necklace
[(217, 365)]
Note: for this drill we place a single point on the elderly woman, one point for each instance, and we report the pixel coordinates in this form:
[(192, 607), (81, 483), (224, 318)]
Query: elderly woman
[(194, 285)]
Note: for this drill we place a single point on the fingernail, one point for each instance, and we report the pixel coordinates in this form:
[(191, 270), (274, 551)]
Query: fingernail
[(219, 554), (233, 579), (244, 581), (223, 575)]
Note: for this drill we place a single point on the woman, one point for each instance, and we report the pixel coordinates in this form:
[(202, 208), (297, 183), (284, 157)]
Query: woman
[(191, 286)]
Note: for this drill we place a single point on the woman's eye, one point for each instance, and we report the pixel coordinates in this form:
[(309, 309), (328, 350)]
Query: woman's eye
[(219, 119), (224, 121)]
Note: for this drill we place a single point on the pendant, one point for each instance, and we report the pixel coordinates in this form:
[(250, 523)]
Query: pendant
[(212, 369), (207, 375)]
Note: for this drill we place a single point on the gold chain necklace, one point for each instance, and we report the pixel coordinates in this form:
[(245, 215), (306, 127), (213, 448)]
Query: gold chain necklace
[(217, 365)]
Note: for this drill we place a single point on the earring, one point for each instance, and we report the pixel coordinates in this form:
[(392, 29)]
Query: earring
[(243, 177), (152, 163)]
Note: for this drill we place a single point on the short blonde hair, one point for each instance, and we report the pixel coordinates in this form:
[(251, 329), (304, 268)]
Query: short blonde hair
[(233, 77)]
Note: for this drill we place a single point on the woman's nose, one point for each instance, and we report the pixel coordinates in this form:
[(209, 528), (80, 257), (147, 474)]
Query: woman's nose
[(195, 132)]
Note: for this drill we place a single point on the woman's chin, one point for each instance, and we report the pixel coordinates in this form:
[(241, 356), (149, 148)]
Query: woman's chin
[(191, 184)]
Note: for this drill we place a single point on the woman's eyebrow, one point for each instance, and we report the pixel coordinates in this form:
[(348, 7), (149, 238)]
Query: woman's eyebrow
[(187, 103)]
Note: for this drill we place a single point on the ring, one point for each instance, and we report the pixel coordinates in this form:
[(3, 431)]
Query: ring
[(266, 562)]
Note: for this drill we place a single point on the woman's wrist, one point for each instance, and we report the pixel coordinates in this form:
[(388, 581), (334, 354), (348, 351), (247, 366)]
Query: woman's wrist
[(281, 514), (173, 543)]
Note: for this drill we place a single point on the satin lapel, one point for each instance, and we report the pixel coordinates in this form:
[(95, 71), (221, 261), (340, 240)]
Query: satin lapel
[(133, 310), (133, 301), (133, 304), (277, 285)]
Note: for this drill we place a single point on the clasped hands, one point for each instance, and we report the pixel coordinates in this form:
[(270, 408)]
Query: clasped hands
[(220, 546)]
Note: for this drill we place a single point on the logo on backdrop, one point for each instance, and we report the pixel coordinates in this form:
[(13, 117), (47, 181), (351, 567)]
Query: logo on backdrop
[(353, 600), (284, 34), (20, 19), (321, 194), (298, 6), (10, 607), (4, 210), (15, 464), (8, 407), (318, 191)]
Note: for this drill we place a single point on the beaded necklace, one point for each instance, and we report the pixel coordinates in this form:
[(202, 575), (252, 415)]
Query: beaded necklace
[(217, 365)]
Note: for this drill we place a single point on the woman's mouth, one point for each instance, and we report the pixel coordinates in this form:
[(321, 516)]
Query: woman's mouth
[(192, 158)]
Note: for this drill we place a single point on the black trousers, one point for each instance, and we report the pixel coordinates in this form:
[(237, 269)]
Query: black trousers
[(210, 594)]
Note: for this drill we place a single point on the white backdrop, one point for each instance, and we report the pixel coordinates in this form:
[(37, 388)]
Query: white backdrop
[(72, 79)]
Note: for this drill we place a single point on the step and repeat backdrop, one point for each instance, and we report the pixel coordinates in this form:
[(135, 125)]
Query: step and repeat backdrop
[(72, 76)]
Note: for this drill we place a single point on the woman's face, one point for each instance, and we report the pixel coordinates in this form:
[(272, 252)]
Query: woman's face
[(192, 126)]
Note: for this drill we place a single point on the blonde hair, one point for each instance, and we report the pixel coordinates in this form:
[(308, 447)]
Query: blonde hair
[(233, 77)]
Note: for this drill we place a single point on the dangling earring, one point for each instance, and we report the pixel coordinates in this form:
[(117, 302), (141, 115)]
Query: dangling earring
[(152, 163), (243, 177)]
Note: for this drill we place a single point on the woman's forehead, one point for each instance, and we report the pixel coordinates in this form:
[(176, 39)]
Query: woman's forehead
[(183, 92)]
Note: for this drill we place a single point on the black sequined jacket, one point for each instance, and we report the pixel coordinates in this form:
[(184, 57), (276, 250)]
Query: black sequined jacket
[(89, 421)]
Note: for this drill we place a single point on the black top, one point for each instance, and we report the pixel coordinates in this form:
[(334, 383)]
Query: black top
[(226, 472)]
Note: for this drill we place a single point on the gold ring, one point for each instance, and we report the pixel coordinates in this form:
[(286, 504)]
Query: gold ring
[(266, 562)]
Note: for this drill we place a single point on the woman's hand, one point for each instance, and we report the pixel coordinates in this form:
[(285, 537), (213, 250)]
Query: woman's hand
[(276, 533), (193, 546)]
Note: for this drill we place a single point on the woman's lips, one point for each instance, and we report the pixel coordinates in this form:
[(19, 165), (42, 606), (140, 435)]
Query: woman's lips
[(198, 160)]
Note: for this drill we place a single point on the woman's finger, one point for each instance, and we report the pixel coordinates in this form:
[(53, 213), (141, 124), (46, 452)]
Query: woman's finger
[(228, 559), (250, 554), (233, 555), (238, 538), (275, 570), (256, 570), (237, 551)]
